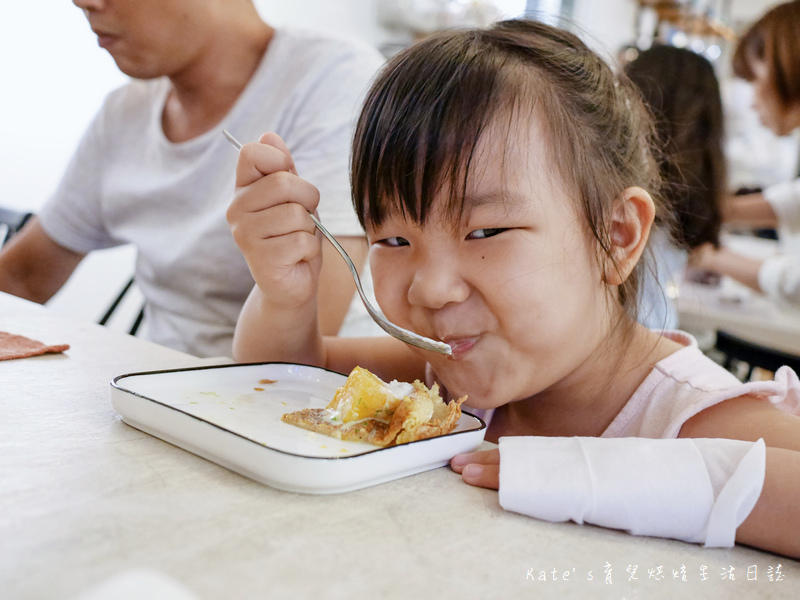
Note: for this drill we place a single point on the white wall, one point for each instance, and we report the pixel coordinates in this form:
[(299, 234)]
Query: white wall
[(355, 18), (54, 79), (608, 25)]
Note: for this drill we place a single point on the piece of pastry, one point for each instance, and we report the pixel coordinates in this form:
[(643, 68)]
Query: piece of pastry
[(366, 409)]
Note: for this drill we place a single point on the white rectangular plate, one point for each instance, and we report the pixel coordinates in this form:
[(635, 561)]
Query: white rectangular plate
[(231, 415)]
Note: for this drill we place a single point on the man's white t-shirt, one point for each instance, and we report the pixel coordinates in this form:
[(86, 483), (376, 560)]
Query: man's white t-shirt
[(127, 183)]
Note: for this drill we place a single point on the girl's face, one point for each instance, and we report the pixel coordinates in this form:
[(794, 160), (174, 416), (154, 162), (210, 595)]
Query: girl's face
[(514, 288), (772, 113)]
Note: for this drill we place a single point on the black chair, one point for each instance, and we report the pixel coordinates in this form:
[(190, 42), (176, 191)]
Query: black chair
[(737, 350), (137, 322), (11, 221)]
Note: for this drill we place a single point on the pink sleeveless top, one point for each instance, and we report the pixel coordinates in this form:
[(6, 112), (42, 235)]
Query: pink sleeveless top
[(687, 382), (683, 384)]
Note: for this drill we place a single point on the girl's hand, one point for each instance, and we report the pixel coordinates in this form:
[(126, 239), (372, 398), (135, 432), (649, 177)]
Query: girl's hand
[(479, 468), (269, 219)]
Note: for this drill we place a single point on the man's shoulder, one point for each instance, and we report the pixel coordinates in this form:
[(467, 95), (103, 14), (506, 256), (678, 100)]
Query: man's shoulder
[(316, 47)]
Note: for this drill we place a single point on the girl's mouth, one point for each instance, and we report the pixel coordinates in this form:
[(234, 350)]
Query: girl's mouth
[(460, 346)]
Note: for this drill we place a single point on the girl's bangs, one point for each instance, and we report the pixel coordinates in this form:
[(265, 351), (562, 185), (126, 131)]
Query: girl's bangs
[(420, 126)]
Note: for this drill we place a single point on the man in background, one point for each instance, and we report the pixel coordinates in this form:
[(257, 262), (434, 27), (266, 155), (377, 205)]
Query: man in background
[(154, 169)]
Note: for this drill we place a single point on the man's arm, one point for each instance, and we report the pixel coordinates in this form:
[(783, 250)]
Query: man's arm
[(33, 266)]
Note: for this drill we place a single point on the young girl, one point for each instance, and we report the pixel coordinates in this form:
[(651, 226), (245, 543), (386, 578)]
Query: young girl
[(498, 174)]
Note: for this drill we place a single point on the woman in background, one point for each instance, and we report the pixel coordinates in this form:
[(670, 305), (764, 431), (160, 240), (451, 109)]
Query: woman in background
[(682, 91), (768, 56)]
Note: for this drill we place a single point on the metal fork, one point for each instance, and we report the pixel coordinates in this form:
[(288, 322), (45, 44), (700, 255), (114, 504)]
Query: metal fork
[(404, 335)]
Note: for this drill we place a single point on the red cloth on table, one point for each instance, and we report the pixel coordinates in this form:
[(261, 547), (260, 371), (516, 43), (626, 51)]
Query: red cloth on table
[(18, 346)]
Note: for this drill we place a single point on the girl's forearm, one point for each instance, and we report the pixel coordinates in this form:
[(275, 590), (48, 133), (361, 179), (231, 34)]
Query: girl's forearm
[(269, 333), (774, 522), (265, 332)]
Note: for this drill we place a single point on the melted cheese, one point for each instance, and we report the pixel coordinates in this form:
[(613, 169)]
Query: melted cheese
[(366, 396)]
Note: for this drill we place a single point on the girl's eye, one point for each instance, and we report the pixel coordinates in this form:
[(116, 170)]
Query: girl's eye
[(480, 234), (394, 242)]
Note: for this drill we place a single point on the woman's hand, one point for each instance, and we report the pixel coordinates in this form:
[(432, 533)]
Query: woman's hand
[(725, 261), (703, 257), (479, 468), (269, 219)]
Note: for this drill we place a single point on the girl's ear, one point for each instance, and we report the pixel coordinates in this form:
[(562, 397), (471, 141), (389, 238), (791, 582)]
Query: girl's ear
[(631, 220)]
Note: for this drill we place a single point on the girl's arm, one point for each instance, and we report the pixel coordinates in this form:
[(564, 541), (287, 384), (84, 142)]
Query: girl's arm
[(270, 222), (279, 321), (774, 523)]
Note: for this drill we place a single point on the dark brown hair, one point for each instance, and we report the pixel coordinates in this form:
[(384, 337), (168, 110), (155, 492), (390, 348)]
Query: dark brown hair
[(682, 90), (427, 110), (774, 40)]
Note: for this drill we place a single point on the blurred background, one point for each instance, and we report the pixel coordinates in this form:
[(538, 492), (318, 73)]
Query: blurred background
[(55, 78)]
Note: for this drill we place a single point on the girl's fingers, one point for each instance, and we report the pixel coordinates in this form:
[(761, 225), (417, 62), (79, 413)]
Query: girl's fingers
[(278, 220), (256, 160), (269, 219), (485, 457), (486, 476), (265, 228), (288, 251), (273, 139), (273, 190), (285, 268), (479, 468)]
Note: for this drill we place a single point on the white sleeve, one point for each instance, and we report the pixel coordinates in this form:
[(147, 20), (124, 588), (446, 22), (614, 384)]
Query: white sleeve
[(695, 490), (779, 278), (73, 215), (784, 198)]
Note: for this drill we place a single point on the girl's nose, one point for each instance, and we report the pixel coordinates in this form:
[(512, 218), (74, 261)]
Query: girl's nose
[(437, 283)]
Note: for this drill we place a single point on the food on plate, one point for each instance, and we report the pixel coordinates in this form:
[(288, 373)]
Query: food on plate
[(367, 409)]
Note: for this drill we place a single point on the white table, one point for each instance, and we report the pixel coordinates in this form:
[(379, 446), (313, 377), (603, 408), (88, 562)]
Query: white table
[(733, 307), (84, 497)]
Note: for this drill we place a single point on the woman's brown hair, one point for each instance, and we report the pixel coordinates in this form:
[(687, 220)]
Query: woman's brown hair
[(775, 41), (682, 90), (425, 114)]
